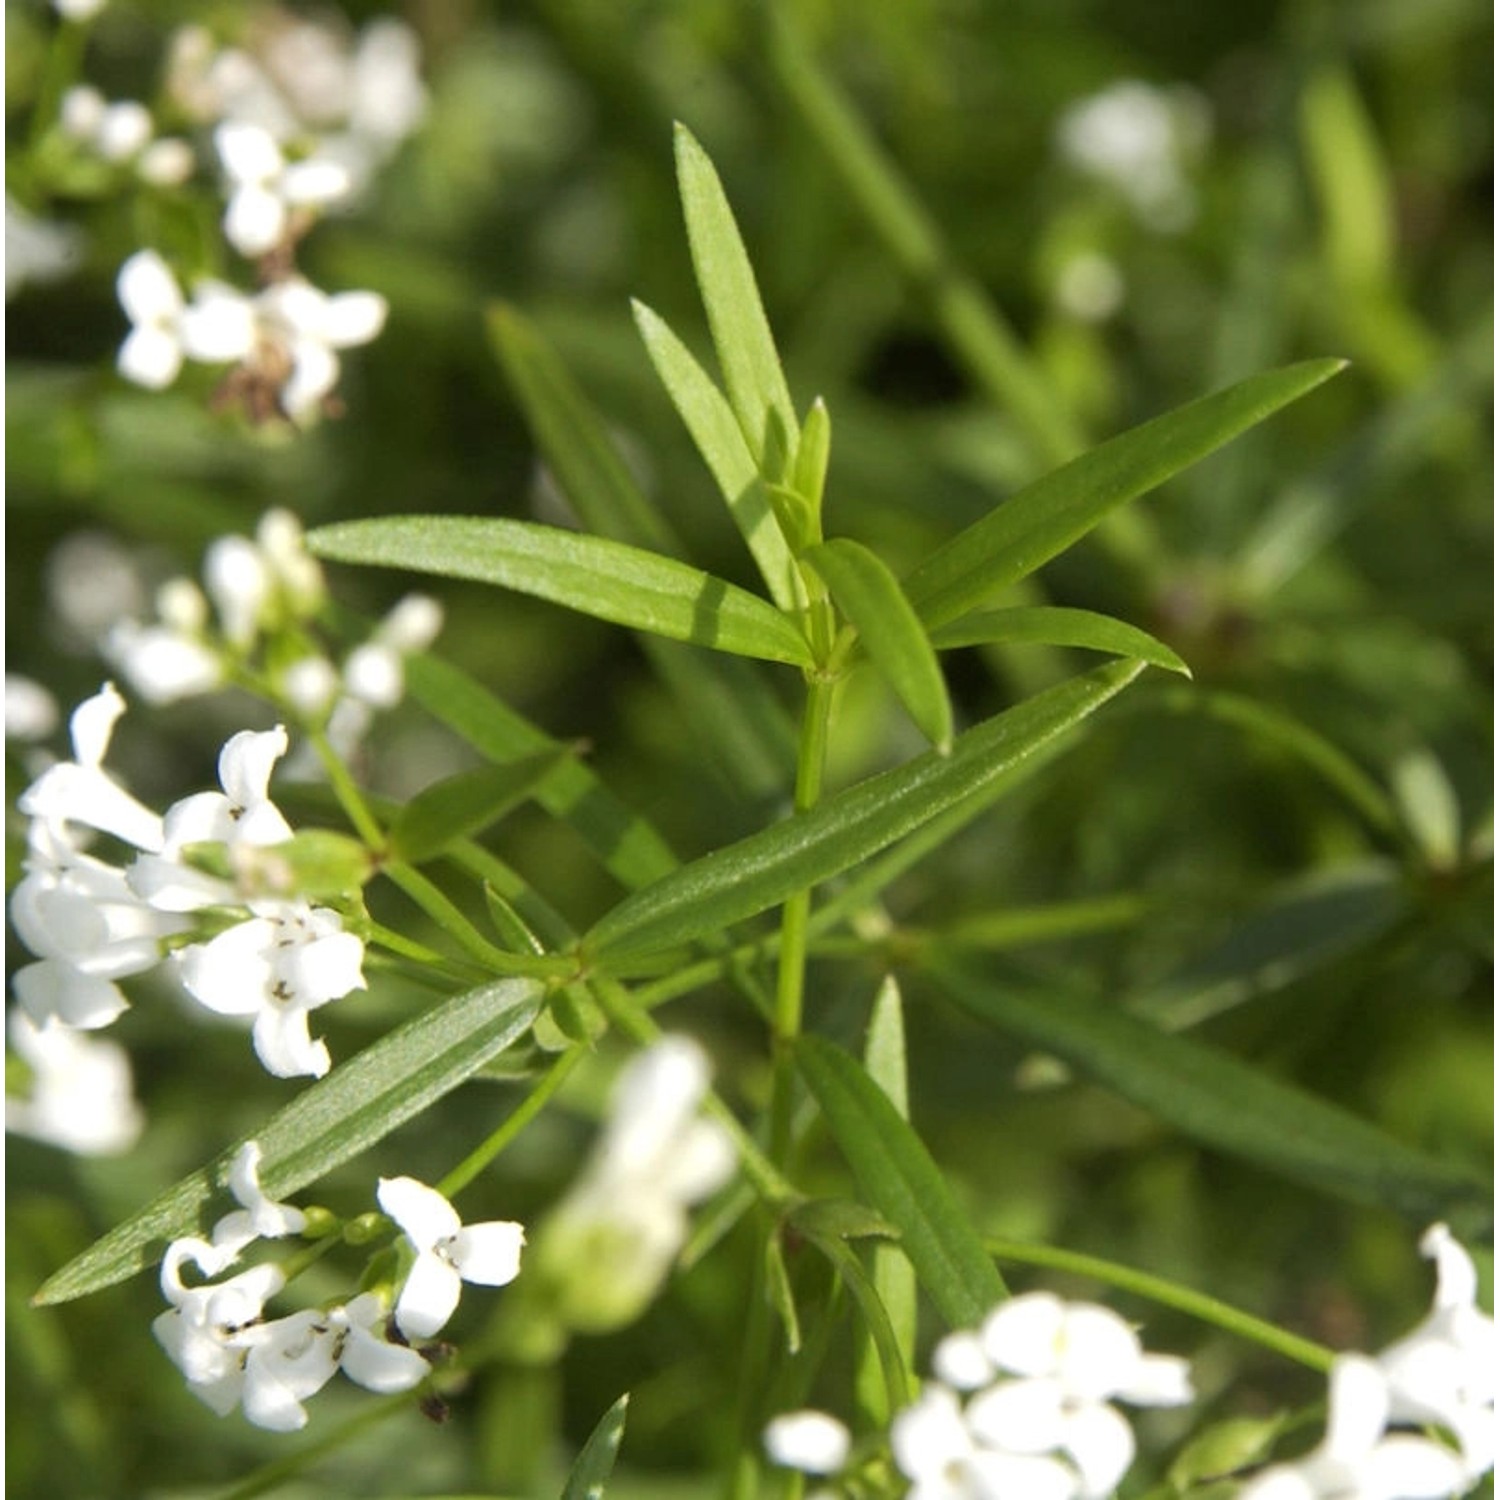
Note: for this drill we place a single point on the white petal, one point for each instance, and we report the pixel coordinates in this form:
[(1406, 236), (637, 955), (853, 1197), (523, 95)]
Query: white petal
[(929, 1435), (324, 969), (702, 1160), (166, 885), (272, 1220), (166, 163), (1024, 1335), (147, 289), (1022, 1416), (53, 988), (218, 327), (428, 1298), (124, 129), (1159, 1380), (69, 793), (488, 1254), (310, 684), (368, 1357), (30, 710), (1457, 1281), (315, 181), (246, 763), (960, 1361), (255, 220), (373, 674), (1005, 1476), (315, 372), (285, 1048), (92, 725), (80, 111), (249, 153), (352, 318), (150, 357), (811, 1441), (231, 973), (237, 581), (1100, 1442), (1100, 1351), (420, 1211), (1357, 1408), (161, 664), (413, 625), (1284, 1482)]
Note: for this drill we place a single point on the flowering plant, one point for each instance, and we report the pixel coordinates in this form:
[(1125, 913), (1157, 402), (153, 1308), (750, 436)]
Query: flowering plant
[(835, 951)]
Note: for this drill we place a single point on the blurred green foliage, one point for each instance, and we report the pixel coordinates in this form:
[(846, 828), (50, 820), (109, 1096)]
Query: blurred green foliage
[(1300, 839)]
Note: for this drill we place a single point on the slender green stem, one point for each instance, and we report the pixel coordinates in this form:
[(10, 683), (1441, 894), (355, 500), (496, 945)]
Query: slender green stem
[(346, 789), (420, 953), (1169, 1294), (513, 1124)]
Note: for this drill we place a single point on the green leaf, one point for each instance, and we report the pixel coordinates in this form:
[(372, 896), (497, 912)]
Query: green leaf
[(841, 1219), (1049, 625), (747, 353), (1045, 517), (591, 574), (711, 422), (779, 1292), (900, 1180), (1222, 1102), (596, 1461), (1226, 1448), (466, 803), (868, 593), (763, 870), (357, 1104), (810, 472)]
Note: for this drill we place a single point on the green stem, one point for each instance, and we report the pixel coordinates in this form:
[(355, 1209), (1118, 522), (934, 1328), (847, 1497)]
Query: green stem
[(513, 1124), (420, 953), (1169, 1294), (64, 61)]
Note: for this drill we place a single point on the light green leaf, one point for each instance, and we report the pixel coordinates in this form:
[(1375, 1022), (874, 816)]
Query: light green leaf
[(900, 1180), (782, 1298), (1050, 625), (742, 336), (464, 804), (810, 472), (1019, 926), (1045, 517), (868, 593), (596, 1460), (1224, 1103), (591, 574), (763, 870), (711, 422), (357, 1104)]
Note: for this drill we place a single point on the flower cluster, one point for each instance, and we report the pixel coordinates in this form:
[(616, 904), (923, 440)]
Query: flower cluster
[(217, 1334), (1020, 1408), (1443, 1373), (91, 923)]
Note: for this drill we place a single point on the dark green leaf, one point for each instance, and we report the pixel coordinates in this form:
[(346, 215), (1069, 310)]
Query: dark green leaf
[(900, 1180), (747, 352), (868, 593), (596, 1461), (842, 1219), (466, 803), (357, 1104), (763, 870), (591, 574), (1222, 1102), (1045, 517), (1048, 625)]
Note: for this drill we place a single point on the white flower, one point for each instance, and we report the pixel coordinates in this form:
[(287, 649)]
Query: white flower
[(264, 186), (285, 1362), (78, 10), (373, 672), (1446, 1369), (168, 162), (30, 710), (448, 1252), (152, 353), (257, 1217), (243, 812), (960, 1361), (239, 583), (288, 960), (309, 326), (1356, 1460), (811, 1441), (297, 573), (366, 1355), (162, 665), (124, 130), (1072, 1358), (81, 1095), (80, 792), (934, 1448)]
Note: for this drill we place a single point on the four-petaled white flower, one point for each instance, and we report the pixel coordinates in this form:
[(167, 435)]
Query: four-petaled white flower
[(448, 1253), (264, 186), (1357, 1460), (811, 1441), (308, 327), (217, 328), (287, 960)]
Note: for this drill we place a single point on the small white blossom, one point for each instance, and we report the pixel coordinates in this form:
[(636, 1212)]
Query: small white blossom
[(366, 1355), (124, 130), (160, 664), (811, 1441), (30, 710), (448, 1253), (78, 10), (258, 1217), (309, 327), (265, 186), (81, 1095), (239, 583), (152, 353), (1356, 1459), (168, 162)]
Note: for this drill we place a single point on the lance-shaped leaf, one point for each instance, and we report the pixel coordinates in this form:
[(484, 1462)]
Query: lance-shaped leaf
[(899, 1178), (742, 336), (1045, 517), (763, 870), (591, 574), (868, 593), (1050, 625), (464, 804), (715, 431), (338, 1117), (596, 1460), (1222, 1102)]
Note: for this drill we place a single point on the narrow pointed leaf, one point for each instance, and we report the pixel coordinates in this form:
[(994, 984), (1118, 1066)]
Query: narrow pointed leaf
[(810, 472), (357, 1104), (900, 1180), (715, 431), (596, 1460), (763, 870), (868, 593), (742, 336), (466, 803), (1221, 1102), (598, 577), (1049, 625), (1045, 517)]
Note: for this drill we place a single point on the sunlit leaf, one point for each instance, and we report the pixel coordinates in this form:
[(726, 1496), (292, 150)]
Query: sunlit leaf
[(596, 1462), (1050, 625)]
